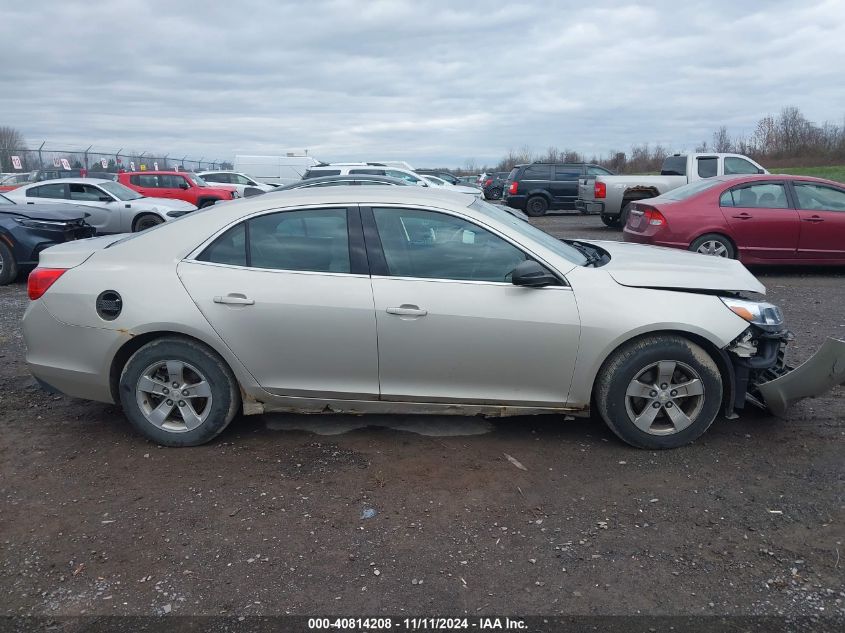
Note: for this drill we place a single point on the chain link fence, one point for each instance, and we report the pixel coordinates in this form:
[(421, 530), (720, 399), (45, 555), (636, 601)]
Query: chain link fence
[(49, 157)]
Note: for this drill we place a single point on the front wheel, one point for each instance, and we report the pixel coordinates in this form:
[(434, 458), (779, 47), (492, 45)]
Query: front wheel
[(177, 392), (145, 221), (659, 392), (8, 265)]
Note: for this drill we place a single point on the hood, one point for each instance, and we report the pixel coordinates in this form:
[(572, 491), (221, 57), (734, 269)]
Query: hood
[(172, 204), (62, 212), (656, 267)]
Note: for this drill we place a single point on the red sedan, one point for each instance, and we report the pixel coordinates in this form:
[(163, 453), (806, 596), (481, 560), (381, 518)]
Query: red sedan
[(760, 219)]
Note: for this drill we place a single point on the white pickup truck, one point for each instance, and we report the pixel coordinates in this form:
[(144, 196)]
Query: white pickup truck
[(610, 196)]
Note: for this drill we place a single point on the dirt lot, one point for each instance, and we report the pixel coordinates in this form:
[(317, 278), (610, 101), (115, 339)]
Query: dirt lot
[(423, 516)]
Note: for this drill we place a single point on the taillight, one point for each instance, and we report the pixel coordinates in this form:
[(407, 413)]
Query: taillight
[(600, 189), (653, 216), (41, 279), (488, 182), (512, 189)]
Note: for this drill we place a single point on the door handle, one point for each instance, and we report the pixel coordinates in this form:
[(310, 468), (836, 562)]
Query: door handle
[(235, 299), (743, 216), (407, 309), (813, 218)]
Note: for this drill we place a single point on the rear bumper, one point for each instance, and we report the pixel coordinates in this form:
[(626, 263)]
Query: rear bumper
[(70, 359), (587, 207), (515, 202)]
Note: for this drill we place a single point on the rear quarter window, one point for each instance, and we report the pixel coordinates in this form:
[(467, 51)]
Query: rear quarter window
[(537, 172)]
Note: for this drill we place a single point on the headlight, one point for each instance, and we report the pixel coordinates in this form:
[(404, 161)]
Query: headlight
[(50, 225), (235, 194), (762, 314)]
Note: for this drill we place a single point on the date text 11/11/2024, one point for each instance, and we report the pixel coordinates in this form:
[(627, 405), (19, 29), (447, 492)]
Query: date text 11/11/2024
[(418, 624)]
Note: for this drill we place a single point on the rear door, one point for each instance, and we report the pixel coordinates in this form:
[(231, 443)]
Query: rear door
[(174, 186), (452, 328), (289, 293), (762, 220), (821, 208), (145, 184), (564, 185)]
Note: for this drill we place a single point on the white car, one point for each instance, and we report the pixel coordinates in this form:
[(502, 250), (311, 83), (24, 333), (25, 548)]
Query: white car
[(113, 207), (240, 181), (404, 300), (376, 169), (439, 182)]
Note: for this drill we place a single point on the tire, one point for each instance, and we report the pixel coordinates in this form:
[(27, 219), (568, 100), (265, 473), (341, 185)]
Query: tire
[(147, 380), (536, 206), (496, 193), (715, 245), (623, 217), (8, 265), (636, 368), (610, 220), (145, 221)]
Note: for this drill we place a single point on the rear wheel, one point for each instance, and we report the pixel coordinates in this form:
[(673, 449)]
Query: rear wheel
[(145, 221), (623, 217), (714, 244), (496, 193), (8, 265), (536, 206), (659, 392), (176, 392), (610, 220)]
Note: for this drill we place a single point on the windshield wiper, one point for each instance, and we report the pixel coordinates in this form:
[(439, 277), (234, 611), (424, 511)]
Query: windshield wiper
[(590, 253)]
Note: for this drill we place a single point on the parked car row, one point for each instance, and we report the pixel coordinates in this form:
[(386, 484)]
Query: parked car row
[(237, 309)]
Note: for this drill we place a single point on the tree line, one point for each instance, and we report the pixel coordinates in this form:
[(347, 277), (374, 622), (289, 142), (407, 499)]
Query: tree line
[(785, 140)]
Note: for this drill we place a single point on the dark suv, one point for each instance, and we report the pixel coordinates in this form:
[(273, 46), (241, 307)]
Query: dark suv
[(539, 187)]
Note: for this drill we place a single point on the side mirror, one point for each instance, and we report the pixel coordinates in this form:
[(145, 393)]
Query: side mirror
[(532, 275), (184, 185), (761, 171), (106, 199)]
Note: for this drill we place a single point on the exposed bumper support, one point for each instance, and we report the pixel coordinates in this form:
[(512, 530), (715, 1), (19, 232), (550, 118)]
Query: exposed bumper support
[(824, 370)]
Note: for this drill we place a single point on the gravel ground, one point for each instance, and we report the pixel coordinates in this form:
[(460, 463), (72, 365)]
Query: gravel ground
[(399, 514)]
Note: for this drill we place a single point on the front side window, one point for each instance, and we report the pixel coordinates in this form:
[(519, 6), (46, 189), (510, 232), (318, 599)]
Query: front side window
[(315, 240), (734, 165), (239, 180), (56, 190), (171, 181), (86, 193), (708, 166), (5, 200), (316, 173), (120, 192), (431, 245), (761, 196), (821, 197), (216, 178), (567, 172)]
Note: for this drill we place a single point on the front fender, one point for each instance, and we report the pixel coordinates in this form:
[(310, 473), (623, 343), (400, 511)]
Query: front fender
[(820, 373)]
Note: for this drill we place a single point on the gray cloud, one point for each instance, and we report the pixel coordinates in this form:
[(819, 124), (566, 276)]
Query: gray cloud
[(431, 83)]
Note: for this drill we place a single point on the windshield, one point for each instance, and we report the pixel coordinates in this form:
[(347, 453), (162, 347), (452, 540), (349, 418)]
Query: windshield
[(688, 191), (5, 200), (119, 191), (525, 229), (199, 182)]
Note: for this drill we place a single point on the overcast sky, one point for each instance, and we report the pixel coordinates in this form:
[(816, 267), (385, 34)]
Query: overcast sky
[(434, 83)]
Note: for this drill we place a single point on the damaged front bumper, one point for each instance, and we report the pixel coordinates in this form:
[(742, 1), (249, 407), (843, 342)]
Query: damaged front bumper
[(762, 377)]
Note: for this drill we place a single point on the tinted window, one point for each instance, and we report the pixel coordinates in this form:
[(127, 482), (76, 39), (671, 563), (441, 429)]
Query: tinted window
[(761, 196), (368, 171), (58, 190), (229, 248), (735, 165), (537, 172), (216, 177), (512, 175), (315, 240), (567, 172), (811, 196), (86, 193), (674, 166), (144, 180), (707, 166), (434, 245), (311, 173), (171, 181)]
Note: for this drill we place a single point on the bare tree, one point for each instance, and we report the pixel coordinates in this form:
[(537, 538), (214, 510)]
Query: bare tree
[(721, 140), (11, 144)]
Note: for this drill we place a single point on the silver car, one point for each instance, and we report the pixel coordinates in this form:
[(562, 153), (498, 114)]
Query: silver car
[(402, 300), (113, 207)]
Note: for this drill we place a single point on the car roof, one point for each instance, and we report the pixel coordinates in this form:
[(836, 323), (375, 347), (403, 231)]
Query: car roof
[(152, 172), (308, 182), (73, 181), (775, 177)]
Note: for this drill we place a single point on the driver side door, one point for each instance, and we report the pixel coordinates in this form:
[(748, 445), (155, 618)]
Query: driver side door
[(103, 215), (452, 328)]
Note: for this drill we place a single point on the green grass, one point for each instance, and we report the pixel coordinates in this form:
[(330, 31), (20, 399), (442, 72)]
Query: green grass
[(831, 172)]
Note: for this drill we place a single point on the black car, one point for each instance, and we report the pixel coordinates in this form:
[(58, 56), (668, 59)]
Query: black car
[(538, 187), (26, 230), (494, 185)]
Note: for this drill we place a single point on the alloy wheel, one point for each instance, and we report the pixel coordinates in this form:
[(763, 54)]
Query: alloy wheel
[(173, 396), (665, 397), (713, 247)]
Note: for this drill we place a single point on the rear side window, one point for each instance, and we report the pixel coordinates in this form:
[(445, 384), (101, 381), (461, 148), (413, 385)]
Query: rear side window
[(144, 180), (537, 172), (367, 171), (315, 240), (313, 173), (512, 175), (674, 166), (567, 172), (708, 166), (760, 196), (216, 177), (57, 190)]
